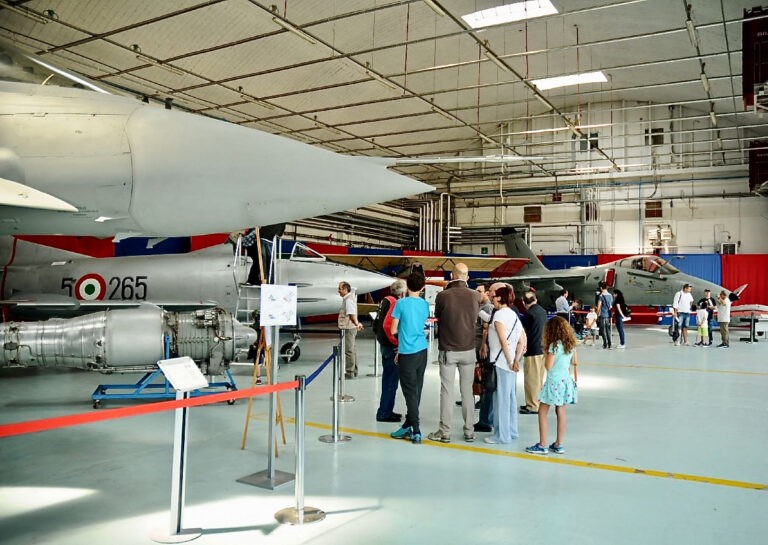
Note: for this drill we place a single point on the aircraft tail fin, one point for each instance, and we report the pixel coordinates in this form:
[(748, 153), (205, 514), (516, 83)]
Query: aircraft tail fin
[(517, 247)]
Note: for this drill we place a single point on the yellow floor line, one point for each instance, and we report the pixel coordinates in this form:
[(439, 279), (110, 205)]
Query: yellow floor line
[(666, 368), (551, 459)]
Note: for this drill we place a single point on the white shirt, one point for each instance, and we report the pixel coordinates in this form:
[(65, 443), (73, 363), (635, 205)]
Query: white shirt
[(511, 322), (723, 310), (683, 301), (701, 317)]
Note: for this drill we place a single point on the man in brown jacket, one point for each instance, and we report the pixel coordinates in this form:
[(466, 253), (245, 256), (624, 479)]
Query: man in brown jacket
[(456, 309)]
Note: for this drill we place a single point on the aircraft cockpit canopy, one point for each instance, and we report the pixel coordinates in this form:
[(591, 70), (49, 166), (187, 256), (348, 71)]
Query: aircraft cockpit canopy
[(303, 253), (21, 67), (648, 263)]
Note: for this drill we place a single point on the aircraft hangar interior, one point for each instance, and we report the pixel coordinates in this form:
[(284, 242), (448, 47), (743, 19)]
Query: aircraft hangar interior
[(204, 203)]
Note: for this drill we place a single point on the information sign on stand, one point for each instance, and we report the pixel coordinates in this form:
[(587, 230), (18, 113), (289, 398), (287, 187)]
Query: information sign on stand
[(278, 307), (185, 376)]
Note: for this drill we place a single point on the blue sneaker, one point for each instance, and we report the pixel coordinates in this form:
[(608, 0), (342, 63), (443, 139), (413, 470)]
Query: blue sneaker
[(537, 449), (557, 450), (416, 438), (402, 433)]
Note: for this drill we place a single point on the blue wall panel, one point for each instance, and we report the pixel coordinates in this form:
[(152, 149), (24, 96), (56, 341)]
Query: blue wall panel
[(704, 266), (567, 261), (139, 246)]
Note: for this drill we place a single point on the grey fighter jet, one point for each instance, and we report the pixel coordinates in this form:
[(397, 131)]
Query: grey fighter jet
[(76, 159), (39, 282), (644, 279)]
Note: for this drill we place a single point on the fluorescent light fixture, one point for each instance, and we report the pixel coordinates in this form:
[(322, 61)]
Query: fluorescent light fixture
[(573, 79), (712, 116), (437, 9), (296, 30), (69, 76), (483, 159), (383, 81), (26, 12), (160, 64), (488, 140), (257, 101), (692, 34), (705, 82), (497, 61), (509, 13), (557, 129)]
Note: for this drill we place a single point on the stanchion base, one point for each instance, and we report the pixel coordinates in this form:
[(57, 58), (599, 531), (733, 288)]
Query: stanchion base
[(262, 480), (290, 515), (373, 375), (346, 399), (334, 438), (162, 536)]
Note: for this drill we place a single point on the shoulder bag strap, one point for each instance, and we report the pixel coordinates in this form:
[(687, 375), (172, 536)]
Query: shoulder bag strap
[(508, 335)]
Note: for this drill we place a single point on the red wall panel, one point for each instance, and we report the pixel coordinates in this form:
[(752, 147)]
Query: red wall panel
[(749, 269)]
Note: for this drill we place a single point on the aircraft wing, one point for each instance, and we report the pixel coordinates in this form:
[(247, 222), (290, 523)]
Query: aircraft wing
[(547, 280), (47, 303), (429, 263)]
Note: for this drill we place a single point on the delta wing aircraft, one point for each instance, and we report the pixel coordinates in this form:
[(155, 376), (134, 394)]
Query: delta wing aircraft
[(644, 279), (77, 159)]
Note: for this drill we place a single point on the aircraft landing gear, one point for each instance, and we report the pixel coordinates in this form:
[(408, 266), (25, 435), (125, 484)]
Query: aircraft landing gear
[(290, 352)]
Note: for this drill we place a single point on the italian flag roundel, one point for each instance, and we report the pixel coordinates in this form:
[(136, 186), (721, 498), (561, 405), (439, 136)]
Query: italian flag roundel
[(90, 287)]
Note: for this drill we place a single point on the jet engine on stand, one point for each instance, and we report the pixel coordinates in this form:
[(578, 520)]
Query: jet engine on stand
[(126, 340)]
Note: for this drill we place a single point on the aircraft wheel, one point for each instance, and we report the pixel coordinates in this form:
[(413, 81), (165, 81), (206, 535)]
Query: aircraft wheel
[(289, 353)]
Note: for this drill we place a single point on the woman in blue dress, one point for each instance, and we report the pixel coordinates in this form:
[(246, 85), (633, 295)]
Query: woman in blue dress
[(559, 388)]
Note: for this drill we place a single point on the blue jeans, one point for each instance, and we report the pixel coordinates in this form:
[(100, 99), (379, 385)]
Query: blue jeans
[(486, 410), (505, 406), (389, 381), (620, 328)]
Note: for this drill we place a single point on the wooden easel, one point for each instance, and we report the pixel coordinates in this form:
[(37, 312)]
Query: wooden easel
[(263, 353)]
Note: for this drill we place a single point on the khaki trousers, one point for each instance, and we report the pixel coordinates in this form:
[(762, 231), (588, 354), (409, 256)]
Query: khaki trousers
[(724, 332), (533, 371), (465, 363), (350, 354)]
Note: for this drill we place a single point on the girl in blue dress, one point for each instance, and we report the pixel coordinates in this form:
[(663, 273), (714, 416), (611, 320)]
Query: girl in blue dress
[(559, 388)]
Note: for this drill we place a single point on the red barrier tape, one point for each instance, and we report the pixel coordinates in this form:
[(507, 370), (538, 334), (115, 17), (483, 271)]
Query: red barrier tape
[(44, 424)]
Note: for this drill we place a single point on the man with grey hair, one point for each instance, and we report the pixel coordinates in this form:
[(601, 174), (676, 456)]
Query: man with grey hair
[(388, 342), (349, 323), (456, 309)]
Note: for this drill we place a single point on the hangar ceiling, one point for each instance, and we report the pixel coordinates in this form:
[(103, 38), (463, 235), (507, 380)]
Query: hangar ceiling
[(412, 79)]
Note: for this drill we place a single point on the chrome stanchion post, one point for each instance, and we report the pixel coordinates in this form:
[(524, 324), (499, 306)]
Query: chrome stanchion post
[(299, 514), (376, 356), (335, 437), (177, 534)]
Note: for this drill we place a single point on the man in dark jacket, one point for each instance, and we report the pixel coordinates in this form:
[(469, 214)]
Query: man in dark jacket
[(534, 320), (388, 343)]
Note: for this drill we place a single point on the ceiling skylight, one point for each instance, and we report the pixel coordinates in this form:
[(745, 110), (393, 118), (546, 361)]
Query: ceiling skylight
[(573, 79), (508, 13)]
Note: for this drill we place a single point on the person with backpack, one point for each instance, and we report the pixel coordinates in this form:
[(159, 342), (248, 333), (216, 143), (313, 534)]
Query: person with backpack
[(388, 342), (604, 305)]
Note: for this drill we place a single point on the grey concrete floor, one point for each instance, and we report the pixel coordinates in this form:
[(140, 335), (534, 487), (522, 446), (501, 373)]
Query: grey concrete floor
[(666, 445)]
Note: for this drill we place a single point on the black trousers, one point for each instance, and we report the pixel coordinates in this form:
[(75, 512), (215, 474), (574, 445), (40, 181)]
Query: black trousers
[(411, 368)]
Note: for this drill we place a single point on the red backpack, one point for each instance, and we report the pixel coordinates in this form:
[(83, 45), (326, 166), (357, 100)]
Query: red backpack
[(383, 324)]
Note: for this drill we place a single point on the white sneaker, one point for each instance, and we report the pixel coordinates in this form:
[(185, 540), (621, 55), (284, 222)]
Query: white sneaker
[(677, 343), (622, 346)]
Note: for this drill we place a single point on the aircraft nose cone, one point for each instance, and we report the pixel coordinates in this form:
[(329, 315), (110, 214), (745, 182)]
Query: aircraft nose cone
[(367, 281)]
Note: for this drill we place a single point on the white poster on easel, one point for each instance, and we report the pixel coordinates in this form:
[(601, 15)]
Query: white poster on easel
[(278, 305), (183, 374)]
